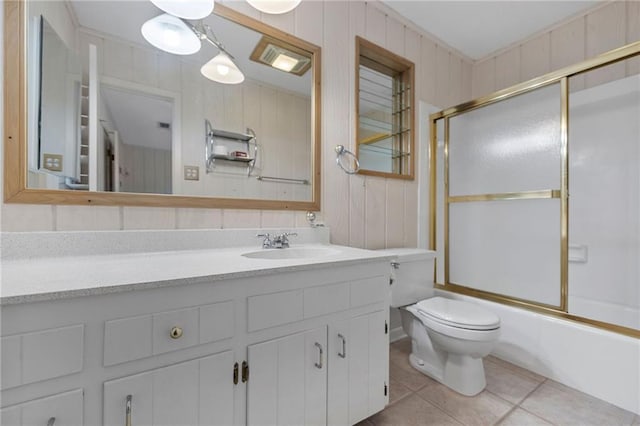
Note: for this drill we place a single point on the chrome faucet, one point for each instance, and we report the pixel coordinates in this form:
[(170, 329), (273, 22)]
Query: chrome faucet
[(278, 241), (282, 240), (266, 243)]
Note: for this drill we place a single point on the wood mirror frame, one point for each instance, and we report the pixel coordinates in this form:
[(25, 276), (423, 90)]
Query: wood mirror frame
[(15, 131)]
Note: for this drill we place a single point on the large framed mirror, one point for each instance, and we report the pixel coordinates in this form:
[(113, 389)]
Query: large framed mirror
[(117, 103)]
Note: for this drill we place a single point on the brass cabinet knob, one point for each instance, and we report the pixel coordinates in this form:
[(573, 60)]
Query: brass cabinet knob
[(176, 332)]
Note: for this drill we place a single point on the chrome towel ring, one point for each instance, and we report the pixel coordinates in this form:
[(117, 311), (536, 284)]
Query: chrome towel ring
[(342, 152)]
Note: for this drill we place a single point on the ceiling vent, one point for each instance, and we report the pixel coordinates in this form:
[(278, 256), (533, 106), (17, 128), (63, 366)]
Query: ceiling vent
[(281, 56)]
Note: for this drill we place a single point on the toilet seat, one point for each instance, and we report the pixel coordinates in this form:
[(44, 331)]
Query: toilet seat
[(457, 314)]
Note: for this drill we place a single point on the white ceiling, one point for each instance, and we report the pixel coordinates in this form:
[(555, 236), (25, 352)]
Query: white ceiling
[(478, 28), (136, 117)]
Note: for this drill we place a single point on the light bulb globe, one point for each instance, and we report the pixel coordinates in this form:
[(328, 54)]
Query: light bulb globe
[(171, 34), (274, 7), (187, 9)]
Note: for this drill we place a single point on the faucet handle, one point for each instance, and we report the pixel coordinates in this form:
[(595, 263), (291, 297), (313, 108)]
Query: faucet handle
[(290, 234), (266, 243)]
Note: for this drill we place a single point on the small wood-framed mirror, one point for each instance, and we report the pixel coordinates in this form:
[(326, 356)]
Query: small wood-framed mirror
[(385, 100)]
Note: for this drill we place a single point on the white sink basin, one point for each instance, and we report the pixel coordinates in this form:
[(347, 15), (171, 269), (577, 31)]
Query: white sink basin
[(292, 253)]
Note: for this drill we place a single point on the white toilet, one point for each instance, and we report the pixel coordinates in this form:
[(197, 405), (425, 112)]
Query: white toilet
[(449, 337)]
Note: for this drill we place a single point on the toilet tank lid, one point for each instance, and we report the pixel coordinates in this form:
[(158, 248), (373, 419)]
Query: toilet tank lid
[(410, 254)]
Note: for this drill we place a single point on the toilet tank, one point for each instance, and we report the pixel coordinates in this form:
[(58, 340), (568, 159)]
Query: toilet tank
[(412, 276)]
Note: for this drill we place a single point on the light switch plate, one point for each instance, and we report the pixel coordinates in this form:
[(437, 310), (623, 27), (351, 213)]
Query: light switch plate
[(52, 162), (191, 173)]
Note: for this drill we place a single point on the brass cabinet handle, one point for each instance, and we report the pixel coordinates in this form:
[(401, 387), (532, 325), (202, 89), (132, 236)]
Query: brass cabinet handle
[(235, 373), (344, 346), (51, 421), (245, 371), (176, 332), (320, 353), (127, 420)]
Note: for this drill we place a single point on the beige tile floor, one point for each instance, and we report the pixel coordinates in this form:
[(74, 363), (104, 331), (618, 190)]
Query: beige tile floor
[(513, 396)]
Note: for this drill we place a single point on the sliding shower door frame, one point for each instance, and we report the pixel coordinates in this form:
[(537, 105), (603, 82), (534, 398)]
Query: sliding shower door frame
[(562, 77)]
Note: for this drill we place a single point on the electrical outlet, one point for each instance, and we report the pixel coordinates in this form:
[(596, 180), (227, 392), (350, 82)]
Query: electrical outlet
[(52, 162), (191, 173)]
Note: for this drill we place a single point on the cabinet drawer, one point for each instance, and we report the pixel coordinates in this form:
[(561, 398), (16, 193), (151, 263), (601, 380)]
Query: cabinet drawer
[(65, 409), (270, 310), (197, 392), (132, 338), (41, 355), (326, 299), (369, 290)]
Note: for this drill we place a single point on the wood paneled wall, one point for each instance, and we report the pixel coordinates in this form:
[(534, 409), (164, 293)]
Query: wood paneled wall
[(607, 27), (361, 211)]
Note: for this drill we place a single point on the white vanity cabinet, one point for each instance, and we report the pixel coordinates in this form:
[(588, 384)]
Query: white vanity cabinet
[(358, 360), (306, 345), (197, 392), (61, 409), (288, 380)]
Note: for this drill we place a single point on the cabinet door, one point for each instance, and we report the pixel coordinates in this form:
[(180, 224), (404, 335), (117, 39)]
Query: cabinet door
[(62, 409), (198, 392), (358, 368), (288, 382)]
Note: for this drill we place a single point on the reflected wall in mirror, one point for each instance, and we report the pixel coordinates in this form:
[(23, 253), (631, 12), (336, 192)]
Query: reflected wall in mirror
[(110, 112), (385, 111)]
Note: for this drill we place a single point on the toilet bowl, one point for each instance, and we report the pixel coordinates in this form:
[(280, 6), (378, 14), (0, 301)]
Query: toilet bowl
[(449, 337)]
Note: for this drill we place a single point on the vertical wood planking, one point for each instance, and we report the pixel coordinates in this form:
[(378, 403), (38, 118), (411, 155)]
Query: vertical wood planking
[(278, 219), (633, 34), (198, 218), (335, 117), (284, 21), (467, 72), (168, 72), (535, 57), (455, 80), (118, 60), (568, 47), (443, 83), (309, 22), (25, 217), (508, 69), (395, 203), (427, 71), (357, 27), (605, 30), (394, 36), (394, 192), (375, 25), (413, 52), (145, 67), (483, 78), (241, 218), (242, 7), (375, 215)]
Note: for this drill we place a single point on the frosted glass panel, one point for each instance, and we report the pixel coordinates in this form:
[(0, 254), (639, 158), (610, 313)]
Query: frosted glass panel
[(510, 146), (604, 213), (507, 247)]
